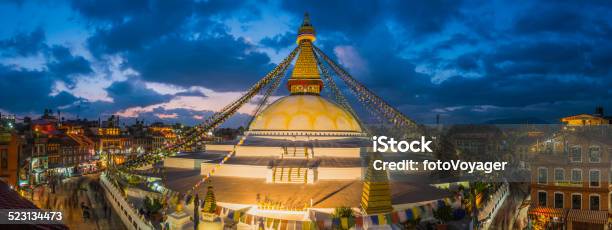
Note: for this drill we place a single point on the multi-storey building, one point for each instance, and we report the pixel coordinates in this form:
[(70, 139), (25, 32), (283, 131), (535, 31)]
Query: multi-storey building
[(110, 143), (84, 153), (10, 149), (39, 160), (597, 118), (139, 139), (61, 151), (476, 139), (570, 177), (161, 133)]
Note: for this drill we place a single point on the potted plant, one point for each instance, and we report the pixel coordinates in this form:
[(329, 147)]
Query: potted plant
[(444, 214)]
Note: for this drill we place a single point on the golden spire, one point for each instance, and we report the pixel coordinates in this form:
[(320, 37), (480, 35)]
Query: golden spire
[(376, 193), (306, 31), (305, 78), (210, 203)]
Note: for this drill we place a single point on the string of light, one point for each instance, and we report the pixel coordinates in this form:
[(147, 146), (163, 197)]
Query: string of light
[(366, 96), (338, 96), (200, 131)]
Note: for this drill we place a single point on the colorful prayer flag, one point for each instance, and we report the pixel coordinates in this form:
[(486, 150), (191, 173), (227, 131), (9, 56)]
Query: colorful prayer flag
[(237, 215), (374, 219), (321, 224), (416, 212), (359, 221), (409, 214), (382, 219), (283, 224), (335, 222), (395, 218), (291, 225), (269, 222), (402, 216), (328, 223), (344, 222)]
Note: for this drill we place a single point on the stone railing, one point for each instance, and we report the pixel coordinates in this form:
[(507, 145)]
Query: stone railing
[(128, 214)]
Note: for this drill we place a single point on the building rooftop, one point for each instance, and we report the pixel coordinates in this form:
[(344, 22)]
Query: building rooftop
[(9, 199)]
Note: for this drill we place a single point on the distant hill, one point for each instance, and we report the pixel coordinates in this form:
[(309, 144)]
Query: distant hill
[(518, 120)]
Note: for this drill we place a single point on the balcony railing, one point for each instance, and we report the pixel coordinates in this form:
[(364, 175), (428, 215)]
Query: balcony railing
[(569, 183)]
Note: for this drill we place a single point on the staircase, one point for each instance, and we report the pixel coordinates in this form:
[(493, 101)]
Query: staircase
[(290, 175), (297, 152)]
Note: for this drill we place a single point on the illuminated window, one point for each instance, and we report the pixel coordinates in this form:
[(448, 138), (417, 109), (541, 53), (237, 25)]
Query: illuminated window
[(558, 200), (549, 147), (576, 154), (594, 202), (576, 176), (576, 201), (542, 198), (559, 175), (542, 175), (4, 158), (594, 154), (594, 178)]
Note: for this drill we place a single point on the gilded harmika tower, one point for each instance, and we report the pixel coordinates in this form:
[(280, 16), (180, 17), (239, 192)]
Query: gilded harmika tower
[(305, 78)]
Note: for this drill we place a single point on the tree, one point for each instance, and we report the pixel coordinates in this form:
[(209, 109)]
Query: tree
[(344, 212), (444, 214), (153, 205)]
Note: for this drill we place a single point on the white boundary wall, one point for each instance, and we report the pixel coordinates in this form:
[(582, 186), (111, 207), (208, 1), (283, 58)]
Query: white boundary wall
[(129, 216)]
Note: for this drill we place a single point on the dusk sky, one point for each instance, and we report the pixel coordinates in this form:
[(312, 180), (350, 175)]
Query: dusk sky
[(469, 61)]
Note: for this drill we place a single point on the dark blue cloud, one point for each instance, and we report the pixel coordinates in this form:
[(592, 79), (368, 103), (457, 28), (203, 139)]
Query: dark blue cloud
[(29, 91), (520, 65), (187, 117), (24, 44), (486, 60), (568, 18), (425, 17), (124, 94), (61, 63), (132, 92), (136, 29), (178, 42), (279, 41), (109, 10), (350, 17), (220, 62), (64, 65), (356, 18), (129, 26)]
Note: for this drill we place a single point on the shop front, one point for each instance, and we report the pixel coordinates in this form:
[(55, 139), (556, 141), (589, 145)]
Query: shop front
[(88, 167), (547, 218), (62, 172), (39, 166), (587, 220)]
